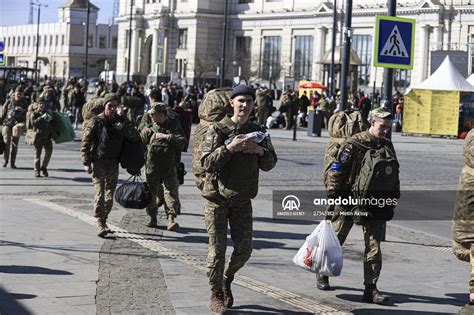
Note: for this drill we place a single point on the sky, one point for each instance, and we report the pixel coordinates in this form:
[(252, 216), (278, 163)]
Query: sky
[(16, 12)]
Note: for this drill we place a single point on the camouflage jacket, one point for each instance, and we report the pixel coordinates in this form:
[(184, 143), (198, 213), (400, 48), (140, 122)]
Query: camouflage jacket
[(261, 97), (463, 218), (343, 171), (163, 154), (233, 175), (41, 125), (92, 133), (9, 110)]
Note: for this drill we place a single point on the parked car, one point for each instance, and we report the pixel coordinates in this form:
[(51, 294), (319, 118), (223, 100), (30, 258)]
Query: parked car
[(92, 82)]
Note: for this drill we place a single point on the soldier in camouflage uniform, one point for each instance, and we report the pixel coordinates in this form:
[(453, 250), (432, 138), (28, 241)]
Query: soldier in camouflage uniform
[(100, 152), (289, 106), (262, 95), (163, 137), (13, 117), (340, 177), (462, 225), (231, 182), (40, 121)]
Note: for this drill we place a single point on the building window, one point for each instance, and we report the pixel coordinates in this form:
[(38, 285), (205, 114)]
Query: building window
[(246, 1), (114, 42), (57, 40), (102, 40), (62, 40), (45, 40), (303, 57), (38, 39), (362, 45), (271, 61), (50, 40), (243, 52), (90, 40), (471, 53), (401, 78), (29, 41), (126, 38), (183, 38), (13, 44), (23, 41)]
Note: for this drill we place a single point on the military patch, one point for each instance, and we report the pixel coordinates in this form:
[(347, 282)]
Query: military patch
[(335, 166), (388, 170), (345, 154)]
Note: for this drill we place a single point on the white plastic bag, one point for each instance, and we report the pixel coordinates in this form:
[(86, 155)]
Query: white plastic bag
[(321, 252)]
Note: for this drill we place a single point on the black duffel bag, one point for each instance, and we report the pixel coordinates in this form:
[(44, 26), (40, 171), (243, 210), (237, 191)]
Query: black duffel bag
[(133, 194)]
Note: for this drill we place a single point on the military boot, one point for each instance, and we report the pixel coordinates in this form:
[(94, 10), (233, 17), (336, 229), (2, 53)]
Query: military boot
[(228, 297), (171, 224), (322, 282), (372, 295), (217, 303), (153, 222), (44, 171), (101, 227)]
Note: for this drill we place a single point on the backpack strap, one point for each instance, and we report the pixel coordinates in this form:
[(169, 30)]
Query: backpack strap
[(223, 129), (358, 144)]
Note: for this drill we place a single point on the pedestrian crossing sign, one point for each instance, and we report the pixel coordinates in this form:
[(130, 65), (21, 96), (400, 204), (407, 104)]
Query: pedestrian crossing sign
[(394, 42)]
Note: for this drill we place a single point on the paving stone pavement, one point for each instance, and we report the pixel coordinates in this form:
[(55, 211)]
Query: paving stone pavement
[(130, 278)]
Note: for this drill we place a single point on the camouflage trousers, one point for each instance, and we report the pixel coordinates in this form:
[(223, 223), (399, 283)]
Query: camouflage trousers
[(262, 115), (373, 232), (105, 176), (11, 136), (471, 280), (48, 151), (166, 190), (238, 214)]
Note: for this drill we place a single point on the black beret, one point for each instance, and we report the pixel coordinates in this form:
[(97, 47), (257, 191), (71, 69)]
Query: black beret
[(242, 90)]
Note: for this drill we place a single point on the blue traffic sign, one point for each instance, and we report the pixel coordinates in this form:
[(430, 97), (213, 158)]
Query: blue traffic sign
[(394, 42), (2, 45), (2, 59)]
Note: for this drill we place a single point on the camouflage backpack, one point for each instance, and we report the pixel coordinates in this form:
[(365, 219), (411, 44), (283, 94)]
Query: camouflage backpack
[(92, 108), (341, 126), (378, 177), (214, 107)]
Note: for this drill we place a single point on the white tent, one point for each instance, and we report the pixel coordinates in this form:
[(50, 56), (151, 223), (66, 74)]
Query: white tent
[(470, 79), (446, 78)]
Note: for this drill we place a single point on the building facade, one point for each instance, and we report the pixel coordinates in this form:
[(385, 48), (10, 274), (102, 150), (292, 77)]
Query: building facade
[(281, 40), (61, 45)]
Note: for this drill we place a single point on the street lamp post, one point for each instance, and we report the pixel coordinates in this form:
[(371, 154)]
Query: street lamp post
[(224, 40), (346, 55), (129, 41), (331, 71), (37, 39), (87, 42)]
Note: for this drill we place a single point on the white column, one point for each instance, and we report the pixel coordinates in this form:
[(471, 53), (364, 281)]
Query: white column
[(134, 54), (423, 53), (154, 49), (436, 37), (319, 50)]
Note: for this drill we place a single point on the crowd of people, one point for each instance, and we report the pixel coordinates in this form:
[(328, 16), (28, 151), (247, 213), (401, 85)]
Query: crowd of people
[(234, 150)]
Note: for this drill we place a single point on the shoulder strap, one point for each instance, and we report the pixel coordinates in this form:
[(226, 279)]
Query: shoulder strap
[(223, 129), (358, 144)]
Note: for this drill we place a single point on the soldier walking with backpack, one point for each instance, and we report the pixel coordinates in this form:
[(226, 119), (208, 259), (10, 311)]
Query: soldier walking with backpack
[(231, 182), (40, 122), (164, 138), (100, 152), (365, 167)]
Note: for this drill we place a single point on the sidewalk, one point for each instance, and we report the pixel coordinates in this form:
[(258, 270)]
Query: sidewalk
[(52, 262)]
